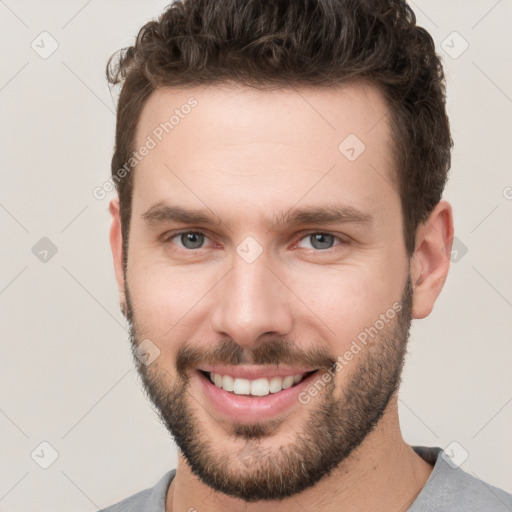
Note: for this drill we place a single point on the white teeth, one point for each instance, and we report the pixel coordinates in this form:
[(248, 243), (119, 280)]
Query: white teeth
[(276, 384), (241, 387), (288, 381), (228, 383), (217, 379), (260, 387), (257, 387)]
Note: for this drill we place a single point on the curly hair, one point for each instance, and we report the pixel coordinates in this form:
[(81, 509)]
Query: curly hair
[(321, 43)]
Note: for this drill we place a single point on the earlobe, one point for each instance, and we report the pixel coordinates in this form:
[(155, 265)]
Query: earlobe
[(116, 245), (431, 259)]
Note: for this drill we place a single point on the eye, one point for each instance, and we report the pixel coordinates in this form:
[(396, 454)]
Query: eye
[(189, 239), (194, 240), (321, 241)]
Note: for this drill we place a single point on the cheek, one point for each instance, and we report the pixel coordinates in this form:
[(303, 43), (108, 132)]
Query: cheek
[(165, 297), (347, 300)]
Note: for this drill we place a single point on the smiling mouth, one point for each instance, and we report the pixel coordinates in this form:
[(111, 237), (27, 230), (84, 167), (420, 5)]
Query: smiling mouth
[(255, 387)]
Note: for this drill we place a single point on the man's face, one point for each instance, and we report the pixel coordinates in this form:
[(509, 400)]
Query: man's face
[(252, 290)]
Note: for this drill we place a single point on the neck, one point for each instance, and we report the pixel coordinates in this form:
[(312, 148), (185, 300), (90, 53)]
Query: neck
[(383, 473)]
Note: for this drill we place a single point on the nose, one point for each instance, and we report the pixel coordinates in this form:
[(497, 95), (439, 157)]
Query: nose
[(252, 301)]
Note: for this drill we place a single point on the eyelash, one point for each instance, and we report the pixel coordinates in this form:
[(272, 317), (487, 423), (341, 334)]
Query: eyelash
[(341, 240)]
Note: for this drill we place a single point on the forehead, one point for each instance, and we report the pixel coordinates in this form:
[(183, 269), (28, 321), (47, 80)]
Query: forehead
[(262, 148), (252, 114)]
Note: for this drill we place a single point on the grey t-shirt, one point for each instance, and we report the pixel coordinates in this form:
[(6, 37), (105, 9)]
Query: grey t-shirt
[(447, 489)]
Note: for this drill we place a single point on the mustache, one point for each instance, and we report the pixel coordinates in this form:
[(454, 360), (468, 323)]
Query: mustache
[(271, 352)]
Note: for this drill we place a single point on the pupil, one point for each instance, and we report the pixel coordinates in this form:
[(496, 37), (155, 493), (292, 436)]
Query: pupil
[(192, 240), (319, 240)]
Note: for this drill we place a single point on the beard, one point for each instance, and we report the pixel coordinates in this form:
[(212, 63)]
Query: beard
[(336, 421)]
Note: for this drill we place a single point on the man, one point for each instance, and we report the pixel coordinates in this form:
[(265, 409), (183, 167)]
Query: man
[(280, 167)]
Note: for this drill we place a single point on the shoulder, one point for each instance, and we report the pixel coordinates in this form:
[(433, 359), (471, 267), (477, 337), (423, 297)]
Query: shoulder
[(131, 504), (475, 493), (150, 500), (451, 488)]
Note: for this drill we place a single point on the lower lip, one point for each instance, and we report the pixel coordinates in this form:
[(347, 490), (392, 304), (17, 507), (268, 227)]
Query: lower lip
[(252, 408)]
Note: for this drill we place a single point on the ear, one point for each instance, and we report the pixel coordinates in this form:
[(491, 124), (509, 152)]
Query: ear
[(116, 244), (431, 259)]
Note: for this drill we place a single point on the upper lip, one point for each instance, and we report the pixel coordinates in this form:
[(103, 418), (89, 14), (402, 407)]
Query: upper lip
[(253, 372)]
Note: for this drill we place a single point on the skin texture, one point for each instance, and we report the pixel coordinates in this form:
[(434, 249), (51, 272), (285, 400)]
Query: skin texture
[(244, 155)]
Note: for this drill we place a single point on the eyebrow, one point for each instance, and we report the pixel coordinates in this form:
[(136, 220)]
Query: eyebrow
[(162, 213)]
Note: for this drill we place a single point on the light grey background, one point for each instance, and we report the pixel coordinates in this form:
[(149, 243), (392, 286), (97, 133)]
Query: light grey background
[(66, 374)]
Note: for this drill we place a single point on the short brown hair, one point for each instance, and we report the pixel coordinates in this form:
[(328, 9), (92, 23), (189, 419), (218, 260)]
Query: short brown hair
[(270, 43)]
